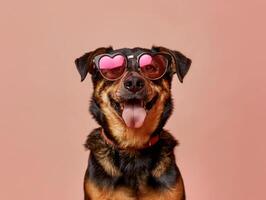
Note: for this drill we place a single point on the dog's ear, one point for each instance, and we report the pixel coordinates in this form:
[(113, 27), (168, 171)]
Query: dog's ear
[(85, 63), (181, 62)]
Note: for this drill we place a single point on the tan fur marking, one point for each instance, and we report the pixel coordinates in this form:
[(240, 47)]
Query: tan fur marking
[(96, 193), (115, 122), (108, 166), (97, 89), (174, 193), (93, 192), (161, 167)]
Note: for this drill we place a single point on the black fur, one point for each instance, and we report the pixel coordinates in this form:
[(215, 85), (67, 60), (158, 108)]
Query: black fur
[(82, 65), (183, 63)]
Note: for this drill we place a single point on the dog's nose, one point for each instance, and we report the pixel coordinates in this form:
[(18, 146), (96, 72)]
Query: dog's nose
[(134, 83)]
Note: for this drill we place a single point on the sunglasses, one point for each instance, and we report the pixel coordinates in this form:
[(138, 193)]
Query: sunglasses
[(151, 65)]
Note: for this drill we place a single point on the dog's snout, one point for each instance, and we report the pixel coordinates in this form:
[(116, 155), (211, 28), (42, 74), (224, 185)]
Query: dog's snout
[(134, 83)]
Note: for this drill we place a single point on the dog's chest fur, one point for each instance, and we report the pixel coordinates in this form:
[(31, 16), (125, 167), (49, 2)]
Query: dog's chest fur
[(136, 173)]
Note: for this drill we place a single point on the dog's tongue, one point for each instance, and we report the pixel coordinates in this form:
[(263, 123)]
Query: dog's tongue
[(134, 115)]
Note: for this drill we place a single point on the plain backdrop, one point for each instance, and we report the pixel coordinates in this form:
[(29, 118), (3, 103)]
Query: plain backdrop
[(220, 112)]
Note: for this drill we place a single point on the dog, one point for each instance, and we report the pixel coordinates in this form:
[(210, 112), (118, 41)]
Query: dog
[(131, 155)]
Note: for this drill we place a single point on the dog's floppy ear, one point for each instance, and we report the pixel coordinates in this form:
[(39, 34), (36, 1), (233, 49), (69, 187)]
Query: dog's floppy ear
[(181, 62), (85, 64)]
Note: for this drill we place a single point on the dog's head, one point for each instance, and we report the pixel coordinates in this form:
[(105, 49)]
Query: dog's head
[(132, 98)]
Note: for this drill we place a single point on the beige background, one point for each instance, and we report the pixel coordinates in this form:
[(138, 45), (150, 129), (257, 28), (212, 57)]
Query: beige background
[(220, 109)]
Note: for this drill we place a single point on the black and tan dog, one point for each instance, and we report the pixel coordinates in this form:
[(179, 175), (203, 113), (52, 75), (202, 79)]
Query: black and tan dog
[(131, 155)]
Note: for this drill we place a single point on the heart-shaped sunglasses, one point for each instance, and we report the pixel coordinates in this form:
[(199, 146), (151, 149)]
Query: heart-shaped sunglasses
[(151, 65)]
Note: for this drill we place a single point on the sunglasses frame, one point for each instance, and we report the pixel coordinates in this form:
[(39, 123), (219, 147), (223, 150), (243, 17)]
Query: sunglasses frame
[(97, 58)]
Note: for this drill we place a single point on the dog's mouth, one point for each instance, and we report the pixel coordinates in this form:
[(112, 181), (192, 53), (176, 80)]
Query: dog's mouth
[(133, 111)]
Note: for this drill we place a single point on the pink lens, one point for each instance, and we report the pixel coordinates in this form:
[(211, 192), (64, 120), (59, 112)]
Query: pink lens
[(112, 67), (145, 60), (153, 67)]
